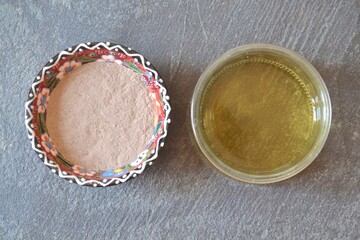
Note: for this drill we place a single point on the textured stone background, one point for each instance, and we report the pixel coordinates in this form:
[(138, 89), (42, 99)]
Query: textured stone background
[(179, 197)]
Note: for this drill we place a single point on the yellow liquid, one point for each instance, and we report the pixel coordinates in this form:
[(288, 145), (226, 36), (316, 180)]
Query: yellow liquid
[(257, 115)]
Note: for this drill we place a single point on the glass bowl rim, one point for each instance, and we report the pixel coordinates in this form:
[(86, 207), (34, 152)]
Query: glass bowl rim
[(253, 178)]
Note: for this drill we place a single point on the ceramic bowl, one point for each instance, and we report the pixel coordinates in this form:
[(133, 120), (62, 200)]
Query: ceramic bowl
[(50, 76)]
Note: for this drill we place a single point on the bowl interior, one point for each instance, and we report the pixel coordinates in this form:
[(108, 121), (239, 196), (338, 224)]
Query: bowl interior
[(316, 90)]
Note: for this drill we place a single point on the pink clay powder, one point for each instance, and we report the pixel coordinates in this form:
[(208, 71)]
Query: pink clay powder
[(100, 116)]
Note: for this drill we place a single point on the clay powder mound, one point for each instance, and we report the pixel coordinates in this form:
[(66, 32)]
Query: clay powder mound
[(100, 116)]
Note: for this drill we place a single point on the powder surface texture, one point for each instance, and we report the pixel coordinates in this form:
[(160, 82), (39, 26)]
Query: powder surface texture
[(100, 116)]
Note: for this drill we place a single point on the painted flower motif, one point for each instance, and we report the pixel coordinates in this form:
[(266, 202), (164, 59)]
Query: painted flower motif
[(109, 59), (66, 68), (83, 171), (113, 172), (143, 154), (48, 144), (157, 104), (148, 79), (43, 99), (149, 75), (158, 130), (136, 162)]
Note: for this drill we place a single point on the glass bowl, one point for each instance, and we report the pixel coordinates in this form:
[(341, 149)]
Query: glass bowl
[(315, 87)]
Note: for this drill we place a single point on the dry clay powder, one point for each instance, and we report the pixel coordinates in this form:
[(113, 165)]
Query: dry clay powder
[(100, 116)]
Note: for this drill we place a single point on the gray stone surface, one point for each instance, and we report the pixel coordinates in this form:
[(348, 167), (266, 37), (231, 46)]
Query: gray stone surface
[(179, 197)]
